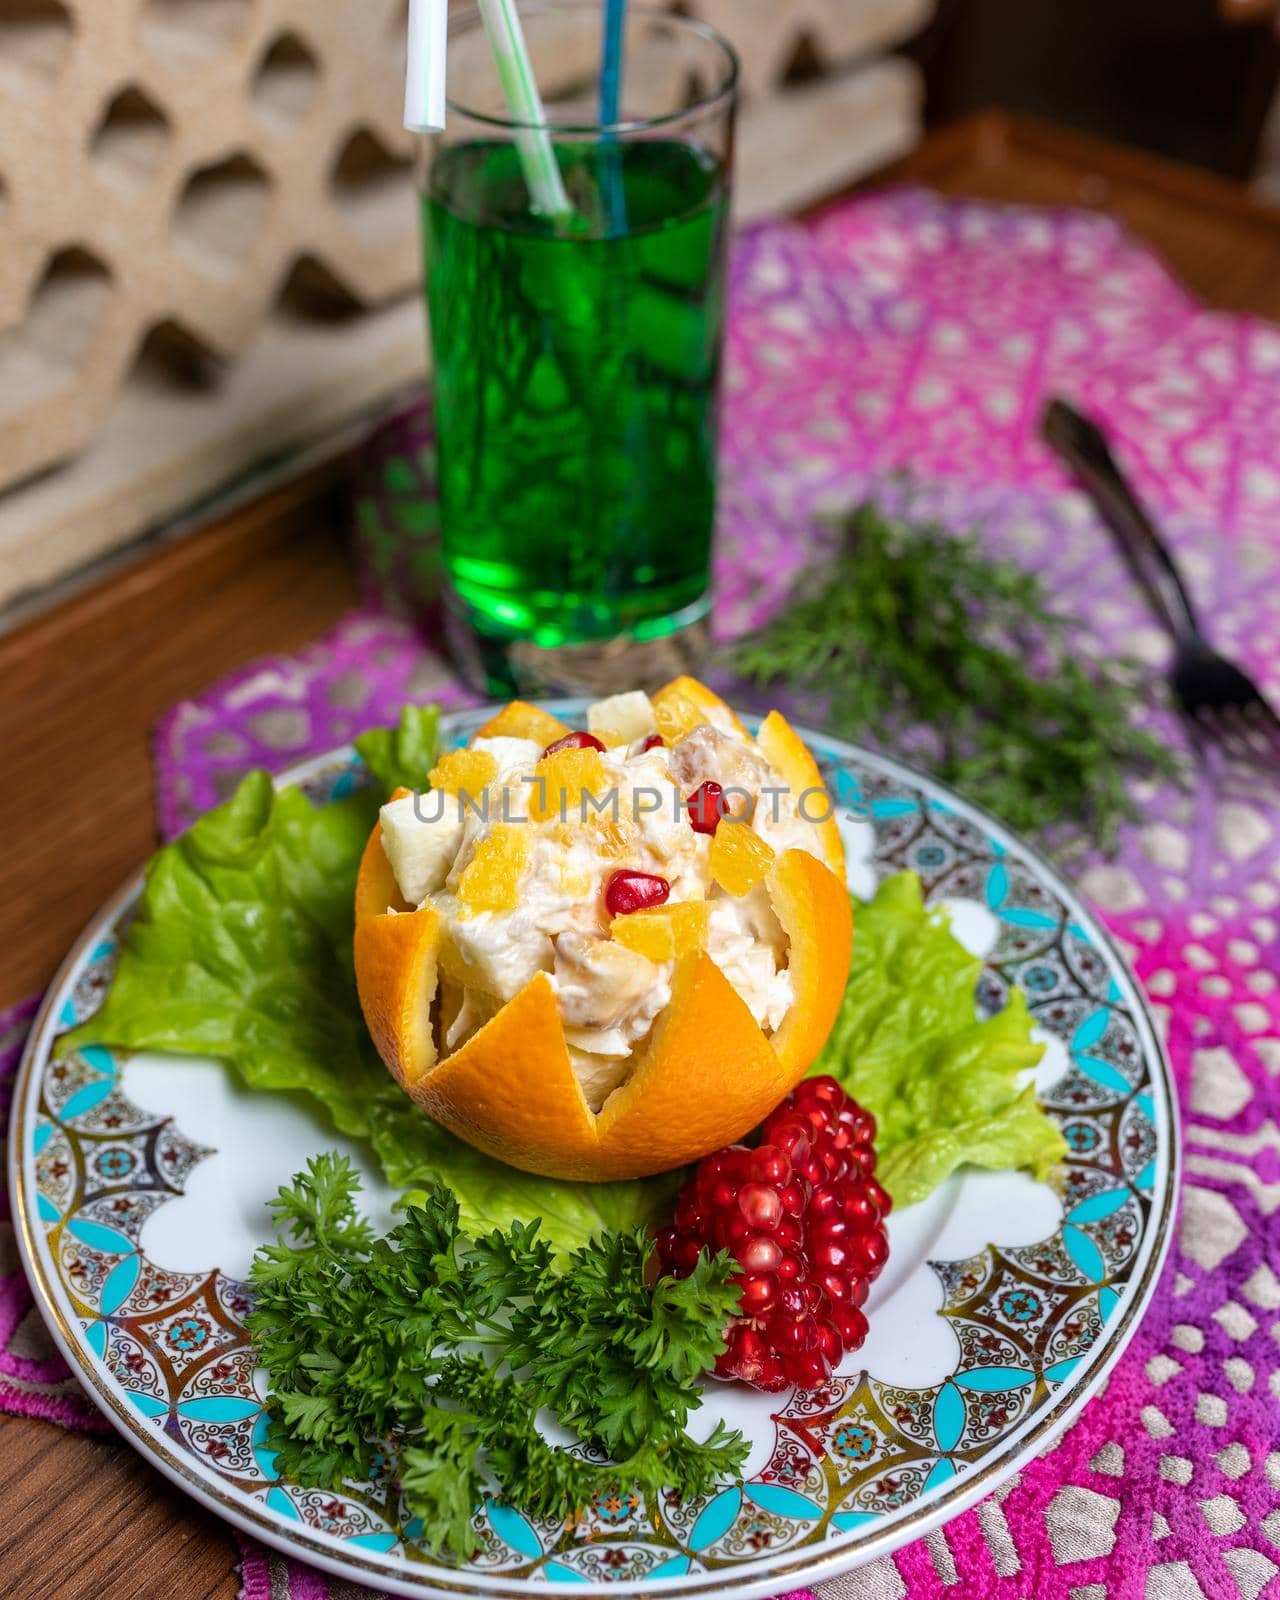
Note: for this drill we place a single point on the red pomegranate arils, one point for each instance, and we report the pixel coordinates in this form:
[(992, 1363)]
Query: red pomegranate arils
[(704, 807), (803, 1216), (628, 891), (573, 741)]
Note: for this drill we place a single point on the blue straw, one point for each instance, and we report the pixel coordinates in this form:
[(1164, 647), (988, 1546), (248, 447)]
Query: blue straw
[(615, 24), (611, 70)]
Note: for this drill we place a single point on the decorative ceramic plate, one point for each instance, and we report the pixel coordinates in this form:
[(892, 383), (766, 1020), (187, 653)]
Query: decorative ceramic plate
[(141, 1185)]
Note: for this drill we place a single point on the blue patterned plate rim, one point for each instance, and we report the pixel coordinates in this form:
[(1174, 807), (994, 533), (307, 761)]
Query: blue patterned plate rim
[(860, 1538)]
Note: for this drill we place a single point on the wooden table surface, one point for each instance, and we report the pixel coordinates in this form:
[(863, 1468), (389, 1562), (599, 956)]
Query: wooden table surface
[(84, 684)]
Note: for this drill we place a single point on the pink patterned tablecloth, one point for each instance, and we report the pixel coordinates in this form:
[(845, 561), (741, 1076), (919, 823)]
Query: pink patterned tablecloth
[(908, 332)]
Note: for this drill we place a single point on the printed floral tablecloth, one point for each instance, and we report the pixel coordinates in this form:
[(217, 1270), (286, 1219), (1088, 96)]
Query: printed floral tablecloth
[(908, 332)]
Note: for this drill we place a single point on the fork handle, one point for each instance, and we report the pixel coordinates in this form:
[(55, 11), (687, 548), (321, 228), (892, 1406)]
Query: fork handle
[(1081, 445)]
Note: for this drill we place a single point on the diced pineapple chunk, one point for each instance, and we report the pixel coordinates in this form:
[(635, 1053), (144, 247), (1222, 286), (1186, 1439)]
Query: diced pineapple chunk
[(562, 780), (740, 859), (520, 720), (622, 718), (467, 772), (665, 933), (491, 879), (421, 838)]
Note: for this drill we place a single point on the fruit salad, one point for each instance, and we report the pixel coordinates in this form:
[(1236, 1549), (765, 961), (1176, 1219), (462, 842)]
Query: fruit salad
[(587, 888)]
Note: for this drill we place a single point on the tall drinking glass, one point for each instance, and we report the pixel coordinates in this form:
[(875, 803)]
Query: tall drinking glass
[(577, 357)]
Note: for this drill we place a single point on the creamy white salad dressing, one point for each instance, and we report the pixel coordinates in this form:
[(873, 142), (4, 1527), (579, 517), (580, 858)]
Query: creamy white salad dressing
[(609, 996)]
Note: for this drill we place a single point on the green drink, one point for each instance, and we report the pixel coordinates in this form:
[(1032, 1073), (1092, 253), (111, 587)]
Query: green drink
[(576, 374), (576, 378)]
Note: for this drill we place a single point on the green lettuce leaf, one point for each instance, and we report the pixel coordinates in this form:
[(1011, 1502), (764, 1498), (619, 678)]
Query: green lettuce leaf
[(241, 949), (944, 1085), (403, 756), (414, 1152)]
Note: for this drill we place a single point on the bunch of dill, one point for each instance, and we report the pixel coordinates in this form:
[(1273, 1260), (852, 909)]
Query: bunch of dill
[(920, 644)]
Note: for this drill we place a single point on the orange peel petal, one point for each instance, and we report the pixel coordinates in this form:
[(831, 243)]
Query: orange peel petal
[(396, 975), (789, 756), (816, 914), (377, 891), (520, 720), (511, 1092), (707, 1077)]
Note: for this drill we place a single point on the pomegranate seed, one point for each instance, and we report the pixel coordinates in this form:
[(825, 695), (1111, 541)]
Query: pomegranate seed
[(737, 1163), (704, 807), (869, 1252), (807, 1369), (770, 1165), (791, 1136), (835, 1286), (731, 1230), (573, 741), (717, 1194), (793, 1198), (790, 1268), (773, 1376), (862, 1159), (832, 1160), (758, 1294), (687, 1256), (789, 1233), (750, 1343), (628, 891), (655, 741), (787, 1334), (859, 1209), (832, 1255), (824, 1090), (830, 1343), (761, 1206), (759, 1253), (860, 1124), (791, 1301), (851, 1325), (822, 1228), (880, 1195), (803, 1216)]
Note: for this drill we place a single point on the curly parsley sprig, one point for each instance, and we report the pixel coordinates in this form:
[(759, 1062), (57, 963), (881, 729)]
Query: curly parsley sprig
[(440, 1350), (919, 642)]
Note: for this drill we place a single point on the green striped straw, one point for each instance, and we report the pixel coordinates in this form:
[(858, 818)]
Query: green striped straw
[(537, 155)]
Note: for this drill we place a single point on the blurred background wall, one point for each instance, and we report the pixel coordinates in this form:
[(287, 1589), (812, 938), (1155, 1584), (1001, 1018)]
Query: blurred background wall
[(208, 235), (208, 239)]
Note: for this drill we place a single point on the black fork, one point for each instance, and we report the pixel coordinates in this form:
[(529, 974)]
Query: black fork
[(1220, 701)]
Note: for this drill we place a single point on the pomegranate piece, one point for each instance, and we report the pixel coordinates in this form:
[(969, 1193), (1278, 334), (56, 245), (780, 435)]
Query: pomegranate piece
[(634, 891), (573, 741), (704, 807), (655, 741), (803, 1216)]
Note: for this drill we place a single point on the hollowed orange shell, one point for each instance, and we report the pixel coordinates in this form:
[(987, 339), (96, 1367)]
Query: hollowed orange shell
[(705, 1077)]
